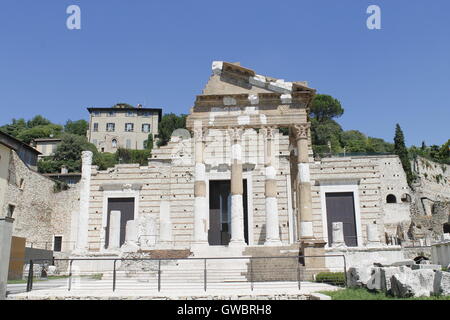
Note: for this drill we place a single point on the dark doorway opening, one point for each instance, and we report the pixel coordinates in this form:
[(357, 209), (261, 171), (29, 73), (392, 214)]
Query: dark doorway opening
[(446, 227), (341, 208), (126, 208), (219, 233)]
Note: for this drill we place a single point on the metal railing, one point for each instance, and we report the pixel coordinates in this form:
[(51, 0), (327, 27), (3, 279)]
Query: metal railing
[(255, 270)]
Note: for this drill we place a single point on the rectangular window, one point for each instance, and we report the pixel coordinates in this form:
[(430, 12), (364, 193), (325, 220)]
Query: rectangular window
[(146, 127), (111, 113), (96, 127), (129, 127), (110, 127), (131, 113), (146, 114), (128, 144), (57, 244), (96, 113)]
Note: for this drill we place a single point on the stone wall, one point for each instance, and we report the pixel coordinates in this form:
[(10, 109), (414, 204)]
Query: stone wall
[(40, 212), (169, 176), (376, 177)]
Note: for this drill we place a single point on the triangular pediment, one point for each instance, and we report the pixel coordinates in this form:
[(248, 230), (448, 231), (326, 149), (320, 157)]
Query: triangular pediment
[(232, 78)]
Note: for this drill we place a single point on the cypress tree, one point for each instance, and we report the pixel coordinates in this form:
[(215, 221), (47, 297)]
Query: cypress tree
[(402, 152)]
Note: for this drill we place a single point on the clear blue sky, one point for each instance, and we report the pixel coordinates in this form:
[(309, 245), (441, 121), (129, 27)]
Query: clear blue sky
[(159, 54)]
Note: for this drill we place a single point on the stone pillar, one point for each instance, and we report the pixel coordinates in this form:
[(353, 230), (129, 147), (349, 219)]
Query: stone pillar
[(304, 224), (338, 234), (131, 237), (311, 248), (114, 230), (272, 222), (237, 188), (6, 227), (83, 215), (372, 234), (200, 201), (165, 225)]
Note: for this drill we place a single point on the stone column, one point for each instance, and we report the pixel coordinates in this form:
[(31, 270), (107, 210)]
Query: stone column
[(114, 230), (237, 188), (338, 234), (305, 226), (83, 215), (6, 228), (200, 201), (272, 222)]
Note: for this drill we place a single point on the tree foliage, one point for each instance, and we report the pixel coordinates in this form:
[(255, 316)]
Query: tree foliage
[(402, 152), (325, 107), (79, 127), (168, 124)]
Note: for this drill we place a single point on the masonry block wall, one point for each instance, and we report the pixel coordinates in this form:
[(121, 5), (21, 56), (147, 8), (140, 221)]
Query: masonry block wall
[(40, 213)]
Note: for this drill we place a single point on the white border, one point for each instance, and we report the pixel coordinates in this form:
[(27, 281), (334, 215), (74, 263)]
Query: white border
[(328, 187), (116, 194)]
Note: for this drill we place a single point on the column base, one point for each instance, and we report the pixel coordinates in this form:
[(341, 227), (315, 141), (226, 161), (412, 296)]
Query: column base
[(306, 230), (237, 243), (199, 245), (273, 243)]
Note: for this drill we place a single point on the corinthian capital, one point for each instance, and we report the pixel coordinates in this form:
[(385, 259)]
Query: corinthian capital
[(200, 134), (268, 132), (235, 133), (301, 131)]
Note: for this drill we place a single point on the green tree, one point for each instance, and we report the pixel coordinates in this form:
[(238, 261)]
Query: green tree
[(78, 127), (40, 131), (49, 166), (168, 124), (402, 152), (325, 107), (133, 156), (15, 127), (104, 160), (68, 152), (38, 121), (149, 142)]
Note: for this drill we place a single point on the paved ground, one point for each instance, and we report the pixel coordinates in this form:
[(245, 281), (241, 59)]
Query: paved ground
[(132, 289)]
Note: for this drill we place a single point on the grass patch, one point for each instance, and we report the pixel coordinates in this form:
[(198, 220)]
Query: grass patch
[(364, 294)]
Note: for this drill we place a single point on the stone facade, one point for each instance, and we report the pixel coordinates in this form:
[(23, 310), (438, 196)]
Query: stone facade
[(113, 128), (40, 213), (277, 190)]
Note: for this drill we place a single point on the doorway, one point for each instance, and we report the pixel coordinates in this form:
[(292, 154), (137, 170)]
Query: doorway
[(126, 208), (219, 233), (341, 208)]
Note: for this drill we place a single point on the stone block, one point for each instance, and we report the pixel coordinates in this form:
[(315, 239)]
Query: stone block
[(403, 263), (413, 283), (434, 267), (52, 270), (386, 274), (442, 283), (358, 277), (375, 282)]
